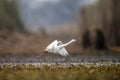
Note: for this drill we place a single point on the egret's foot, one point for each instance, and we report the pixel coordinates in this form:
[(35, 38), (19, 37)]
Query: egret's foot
[(45, 52)]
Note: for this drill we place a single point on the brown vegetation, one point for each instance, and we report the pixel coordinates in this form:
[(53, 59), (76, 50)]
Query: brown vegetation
[(60, 72), (18, 43)]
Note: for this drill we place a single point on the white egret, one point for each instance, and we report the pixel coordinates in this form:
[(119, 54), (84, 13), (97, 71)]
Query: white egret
[(57, 47)]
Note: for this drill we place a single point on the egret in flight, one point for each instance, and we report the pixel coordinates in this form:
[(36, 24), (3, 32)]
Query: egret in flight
[(58, 47)]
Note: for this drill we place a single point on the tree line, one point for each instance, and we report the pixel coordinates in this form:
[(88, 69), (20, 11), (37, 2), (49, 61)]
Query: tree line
[(101, 24), (9, 16)]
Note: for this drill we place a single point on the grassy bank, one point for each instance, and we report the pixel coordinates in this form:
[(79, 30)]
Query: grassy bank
[(55, 72)]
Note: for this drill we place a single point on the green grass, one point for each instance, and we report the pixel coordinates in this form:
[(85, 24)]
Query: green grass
[(55, 72)]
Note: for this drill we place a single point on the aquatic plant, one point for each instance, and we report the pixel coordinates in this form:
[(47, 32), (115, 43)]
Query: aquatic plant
[(59, 72)]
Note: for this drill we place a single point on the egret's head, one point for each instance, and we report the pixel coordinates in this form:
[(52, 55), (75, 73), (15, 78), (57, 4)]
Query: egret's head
[(73, 40)]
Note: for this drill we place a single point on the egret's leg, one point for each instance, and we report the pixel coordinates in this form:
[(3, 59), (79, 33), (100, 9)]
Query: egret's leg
[(40, 55)]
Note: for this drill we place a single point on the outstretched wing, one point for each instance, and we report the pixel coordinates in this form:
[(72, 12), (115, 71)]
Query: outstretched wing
[(51, 46), (62, 51)]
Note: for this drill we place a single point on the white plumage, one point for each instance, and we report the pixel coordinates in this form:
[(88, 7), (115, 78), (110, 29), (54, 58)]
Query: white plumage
[(58, 47)]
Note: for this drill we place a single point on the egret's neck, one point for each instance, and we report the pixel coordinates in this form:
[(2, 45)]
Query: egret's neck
[(67, 43)]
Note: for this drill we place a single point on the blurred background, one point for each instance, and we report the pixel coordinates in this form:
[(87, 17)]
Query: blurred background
[(28, 26)]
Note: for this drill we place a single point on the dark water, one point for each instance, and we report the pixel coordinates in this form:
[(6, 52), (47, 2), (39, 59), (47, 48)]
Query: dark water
[(53, 58)]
